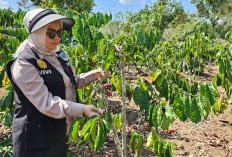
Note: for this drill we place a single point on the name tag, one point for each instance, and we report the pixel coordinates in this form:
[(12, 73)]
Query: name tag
[(45, 72)]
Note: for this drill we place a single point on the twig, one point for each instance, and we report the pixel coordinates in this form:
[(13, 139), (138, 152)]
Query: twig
[(124, 134)]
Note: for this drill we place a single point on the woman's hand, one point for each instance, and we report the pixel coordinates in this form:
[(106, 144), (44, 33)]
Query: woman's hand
[(100, 74), (90, 110)]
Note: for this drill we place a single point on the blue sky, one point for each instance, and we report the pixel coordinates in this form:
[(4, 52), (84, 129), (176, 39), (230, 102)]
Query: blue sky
[(113, 6)]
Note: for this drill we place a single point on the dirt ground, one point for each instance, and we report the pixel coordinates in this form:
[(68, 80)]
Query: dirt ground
[(211, 137)]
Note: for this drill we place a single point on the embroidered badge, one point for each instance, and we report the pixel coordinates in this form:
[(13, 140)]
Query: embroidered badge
[(42, 64), (62, 55)]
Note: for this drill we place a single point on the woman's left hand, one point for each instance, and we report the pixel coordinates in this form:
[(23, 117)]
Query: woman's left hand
[(100, 74)]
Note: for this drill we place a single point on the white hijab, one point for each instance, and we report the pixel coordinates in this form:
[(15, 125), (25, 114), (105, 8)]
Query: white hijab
[(36, 40)]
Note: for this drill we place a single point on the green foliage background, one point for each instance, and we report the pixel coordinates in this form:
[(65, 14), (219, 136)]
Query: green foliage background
[(162, 38)]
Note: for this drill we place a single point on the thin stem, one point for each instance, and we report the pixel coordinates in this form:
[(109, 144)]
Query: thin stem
[(106, 102), (124, 134)]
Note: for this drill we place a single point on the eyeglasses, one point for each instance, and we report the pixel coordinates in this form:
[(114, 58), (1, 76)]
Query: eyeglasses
[(52, 33)]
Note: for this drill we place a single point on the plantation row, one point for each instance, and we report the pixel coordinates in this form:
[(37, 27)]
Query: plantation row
[(168, 97)]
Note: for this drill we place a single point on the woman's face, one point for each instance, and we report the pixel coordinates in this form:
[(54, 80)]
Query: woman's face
[(51, 44)]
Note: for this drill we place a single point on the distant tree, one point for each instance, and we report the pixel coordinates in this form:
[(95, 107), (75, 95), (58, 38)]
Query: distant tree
[(213, 10), (160, 14), (24, 4), (36, 2), (60, 5)]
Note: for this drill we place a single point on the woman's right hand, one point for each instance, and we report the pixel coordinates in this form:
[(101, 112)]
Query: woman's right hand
[(90, 110)]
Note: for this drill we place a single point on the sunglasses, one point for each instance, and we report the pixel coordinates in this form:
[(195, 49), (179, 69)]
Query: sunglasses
[(52, 33)]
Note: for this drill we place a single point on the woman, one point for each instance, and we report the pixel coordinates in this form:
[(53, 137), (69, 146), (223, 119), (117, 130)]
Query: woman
[(45, 88)]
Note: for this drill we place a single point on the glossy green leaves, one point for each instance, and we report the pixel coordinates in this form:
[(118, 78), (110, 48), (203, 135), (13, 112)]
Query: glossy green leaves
[(161, 147), (136, 143)]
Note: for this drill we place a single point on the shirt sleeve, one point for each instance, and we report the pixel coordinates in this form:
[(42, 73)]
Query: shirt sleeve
[(27, 78), (84, 79)]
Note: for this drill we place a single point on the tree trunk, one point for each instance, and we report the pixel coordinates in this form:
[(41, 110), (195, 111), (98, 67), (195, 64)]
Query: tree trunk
[(124, 124)]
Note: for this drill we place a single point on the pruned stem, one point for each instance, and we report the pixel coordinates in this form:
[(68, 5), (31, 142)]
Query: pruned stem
[(124, 133)]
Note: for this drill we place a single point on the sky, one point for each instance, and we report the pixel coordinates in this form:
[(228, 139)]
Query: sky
[(113, 6)]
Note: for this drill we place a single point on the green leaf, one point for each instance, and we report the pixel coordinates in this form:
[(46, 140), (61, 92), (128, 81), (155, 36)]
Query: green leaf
[(164, 89), (2, 74), (221, 66), (159, 82), (93, 131), (9, 98), (230, 99), (9, 119), (202, 89), (228, 67), (73, 132), (87, 127), (102, 48), (6, 142), (149, 118), (195, 111), (142, 37), (187, 106), (161, 147), (145, 103), (108, 117), (110, 56), (100, 58), (154, 74), (206, 107), (157, 116), (100, 136), (139, 143), (91, 143), (88, 39), (151, 139), (78, 29), (219, 107), (99, 102), (107, 125), (119, 86), (136, 142), (179, 107), (136, 95), (208, 91), (209, 94), (118, 121), (168, 117), (132, 142), (229, 50)]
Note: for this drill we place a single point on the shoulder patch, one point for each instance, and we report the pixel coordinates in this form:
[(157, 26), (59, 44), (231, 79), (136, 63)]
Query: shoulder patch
[(62, 55)]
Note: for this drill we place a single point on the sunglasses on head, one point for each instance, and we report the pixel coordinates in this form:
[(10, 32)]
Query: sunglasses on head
[(52, 33)]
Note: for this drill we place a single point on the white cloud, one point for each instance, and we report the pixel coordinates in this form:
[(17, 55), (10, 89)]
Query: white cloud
[(132, 1), (3, 2)]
